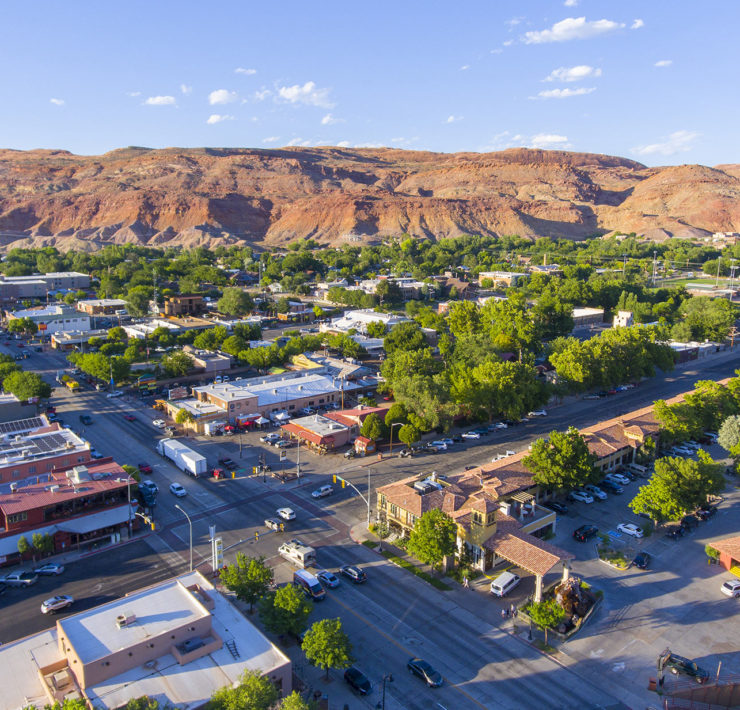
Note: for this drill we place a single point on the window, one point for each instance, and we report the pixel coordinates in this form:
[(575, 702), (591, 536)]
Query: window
[(394, 510), (17, 518), (16, 473), (32, 469), (80, 459), (310, 404), (475, 554), (382, 501), (292, 406)]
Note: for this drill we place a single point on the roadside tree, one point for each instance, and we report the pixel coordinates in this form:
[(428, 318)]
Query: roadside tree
[(327, 646), (729, 435), (43, 544), (409, 434), (404, 336), (235, 302), (433, 537), (373, 427), (26, 385), (546, 614), (295, 702), (254, 692), (396, 413), (249, 578), (183, 416), (562, 462), (24, 547), (177, 363), (285, 611)]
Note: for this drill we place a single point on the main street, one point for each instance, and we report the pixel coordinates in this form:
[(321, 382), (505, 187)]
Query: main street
[(390, 618)]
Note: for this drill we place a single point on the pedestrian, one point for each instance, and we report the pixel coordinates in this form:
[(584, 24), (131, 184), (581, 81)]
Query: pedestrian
[(503, 613), (512, 610), (466, 583)]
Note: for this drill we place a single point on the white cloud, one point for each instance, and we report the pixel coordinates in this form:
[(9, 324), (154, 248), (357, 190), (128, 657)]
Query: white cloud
[(308, 94), (247, 72), (570, 3), (218, 118), (572, 28), (508, 43), (548, 141), (453, 119), (343, 144), (57, 102), (637, 24), (133, 93), (369, 145), (330, 120), (271, 139), (465, 67), (664, 63), (563, 93), (514, 21), (160, 101), (262, 95), (577, 73), (186, 89), (221, 96), (676, 142), (497, 51), (298, 142)]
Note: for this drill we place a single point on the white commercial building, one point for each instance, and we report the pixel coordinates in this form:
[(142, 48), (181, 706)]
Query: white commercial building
[(55, 318), (359, 320)]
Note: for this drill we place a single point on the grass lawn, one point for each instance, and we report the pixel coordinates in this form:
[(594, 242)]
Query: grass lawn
[(415, 570)]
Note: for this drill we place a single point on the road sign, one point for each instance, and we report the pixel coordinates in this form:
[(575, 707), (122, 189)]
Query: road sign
[(217, 553), (283, 454)]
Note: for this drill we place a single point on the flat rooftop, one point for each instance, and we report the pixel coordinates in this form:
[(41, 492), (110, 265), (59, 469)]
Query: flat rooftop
[(30, 446), (319, 424)]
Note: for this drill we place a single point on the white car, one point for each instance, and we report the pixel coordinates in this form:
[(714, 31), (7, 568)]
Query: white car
[(538, 413), (439, 445), (177, 490), (61, 601), (269, 438), (322, 492), (731, 588), (50, 568), (286, 513), (470, 435), (580, 495), (159, 423), (630, 529), (501, 425), (115, 393), (596, 492), (617, 478)]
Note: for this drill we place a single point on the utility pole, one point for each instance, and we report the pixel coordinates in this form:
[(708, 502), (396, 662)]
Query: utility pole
[(719, 261), (732, 278), (624, 264), (655, 266), (298, 460)]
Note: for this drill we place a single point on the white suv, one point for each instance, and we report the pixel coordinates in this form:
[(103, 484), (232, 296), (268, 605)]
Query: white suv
[(731, 588)]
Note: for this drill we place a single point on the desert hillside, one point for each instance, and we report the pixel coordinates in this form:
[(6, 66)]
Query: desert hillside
[(223, 196)]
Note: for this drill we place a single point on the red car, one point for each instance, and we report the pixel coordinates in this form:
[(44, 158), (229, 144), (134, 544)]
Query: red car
[(129, 417), (144, 468)]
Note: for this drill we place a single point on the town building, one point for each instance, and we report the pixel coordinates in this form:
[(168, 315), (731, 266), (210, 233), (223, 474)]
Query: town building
[(18, 288), (12, 409), (359, 320), (102, 306), (78, 507), (177, 641), (33, 446), (729, 553), (326, 432), (184, 306), (69, 340), (54, 318), (586, 317), (546, 269), (623, 319), (501, 279), (209, 361), (298, 312)]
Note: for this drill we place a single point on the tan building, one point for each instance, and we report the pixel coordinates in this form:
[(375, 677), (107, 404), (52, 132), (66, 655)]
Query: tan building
[(184, 306), (584, 317), (178, 641), (101, 306), (501, 279)]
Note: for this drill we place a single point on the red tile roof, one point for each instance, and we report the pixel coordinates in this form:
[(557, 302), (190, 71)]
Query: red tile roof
[(307, 434), (524, 550)]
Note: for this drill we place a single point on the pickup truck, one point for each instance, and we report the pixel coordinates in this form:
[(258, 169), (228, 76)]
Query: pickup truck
[(228, 463), (20, 579)]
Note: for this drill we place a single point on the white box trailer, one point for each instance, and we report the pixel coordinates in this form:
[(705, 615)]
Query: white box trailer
[(297, 552), (187, 460), (210, 428)]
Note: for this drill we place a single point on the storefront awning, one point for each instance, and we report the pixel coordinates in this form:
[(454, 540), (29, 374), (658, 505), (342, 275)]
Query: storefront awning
[(96, 521), (262, 420), (282, 416)]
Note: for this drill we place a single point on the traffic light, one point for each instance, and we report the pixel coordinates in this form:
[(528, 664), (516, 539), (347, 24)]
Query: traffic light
[(334, 478), (344, 483), (256, 536), (152, 524), (254, 469), (282, 527)]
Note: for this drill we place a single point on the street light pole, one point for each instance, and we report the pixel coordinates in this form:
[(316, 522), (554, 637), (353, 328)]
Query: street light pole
[(389, 678), (392, 425), (190, 525)]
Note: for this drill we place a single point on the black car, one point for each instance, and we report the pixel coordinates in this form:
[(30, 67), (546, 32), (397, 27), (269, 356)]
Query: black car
[(457, 438), (557, 507), (675, 533), (585, 532), (226, 462), (611, 487), (683, 666), (630, 474), (706, 512), (354, 573), (86, 419), (425, 671), (641, 560), (357, 680)]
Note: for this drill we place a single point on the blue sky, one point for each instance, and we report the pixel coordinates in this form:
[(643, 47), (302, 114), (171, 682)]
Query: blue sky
[(653, 81)]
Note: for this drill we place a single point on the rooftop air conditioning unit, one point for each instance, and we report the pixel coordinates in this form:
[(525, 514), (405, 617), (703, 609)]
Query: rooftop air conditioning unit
[(53, 489), (13, 487), (123, 620)]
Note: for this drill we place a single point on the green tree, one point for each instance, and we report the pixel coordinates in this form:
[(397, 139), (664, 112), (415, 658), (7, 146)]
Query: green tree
[(678, 422), (396, 413), (373, 427), (409, 434), (433, 537), (249, 578), (464, 318), (235, 302), (326, 645), (712, 403), (183, 416), (709, 318), (677, 487), (24, 547), (283, 305), (137, 300), (546, 615), (285, 611), (404, 336), (511, 326), (376, 329), (254, 692), (177, 363), (729, 435), (43, 544), (295, 702), (562, 462), (26, 385), (144, 703)]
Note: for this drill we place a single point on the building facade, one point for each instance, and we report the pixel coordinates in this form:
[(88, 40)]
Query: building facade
[(55, 318)]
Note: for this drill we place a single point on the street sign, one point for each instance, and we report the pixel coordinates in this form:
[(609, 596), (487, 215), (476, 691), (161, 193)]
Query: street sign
[(211, 532), (217, 553), (283, 454)]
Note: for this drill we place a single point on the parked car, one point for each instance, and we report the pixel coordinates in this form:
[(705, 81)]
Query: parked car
[(617, 478), (61, 601), (504, 583), (20, 579), (226, 462), (471, 435), (350, 454), (731, 588), (678, 665), (537, 413), (49, 568), (641, 560), (144, 467), (557, 507), (706, 512), (269, 438), (281, 444), (86, 419), (675, 533), (286, 513), (177, 490), (425, 671), (630, 529), (322, 492), (274, 524), (612, 487), (159, 423), (358, 681), (595, 491), (354, 573), (328, 578), (439, 445), (580, 495), (150, 486), (115, 393), (585, 532)]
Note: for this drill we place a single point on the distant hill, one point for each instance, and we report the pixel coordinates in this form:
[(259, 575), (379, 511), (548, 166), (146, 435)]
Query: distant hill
[(209, 196)]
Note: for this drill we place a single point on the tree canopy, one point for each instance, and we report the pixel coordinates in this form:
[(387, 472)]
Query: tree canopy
[(433, 537), (285, 611), (249, 578), (562, 461), (235, 302), (254, 692), (327, 646), (26, 385)]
